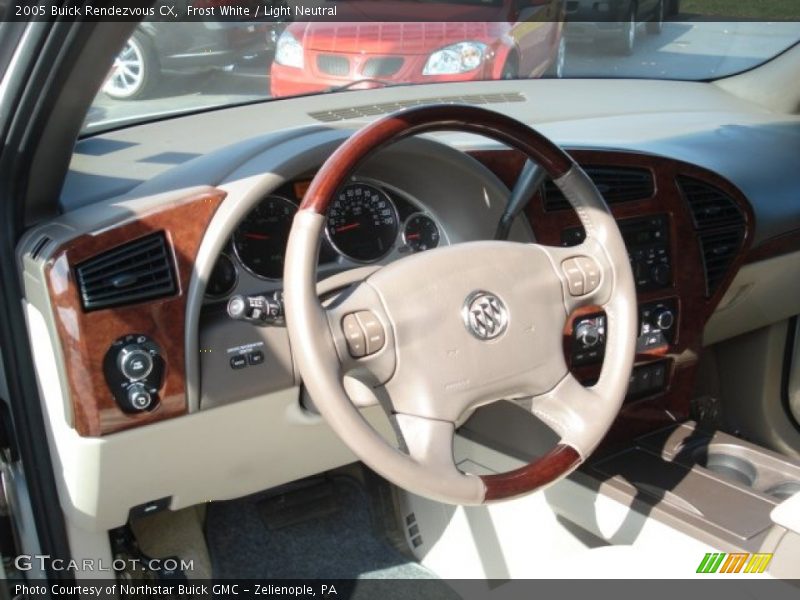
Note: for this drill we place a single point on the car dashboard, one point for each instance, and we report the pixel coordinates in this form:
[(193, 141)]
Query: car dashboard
[(137, 293)]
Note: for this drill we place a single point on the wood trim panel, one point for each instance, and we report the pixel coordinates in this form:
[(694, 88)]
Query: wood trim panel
[(773, 247), (86, 336), (559, 461), (688, 274)]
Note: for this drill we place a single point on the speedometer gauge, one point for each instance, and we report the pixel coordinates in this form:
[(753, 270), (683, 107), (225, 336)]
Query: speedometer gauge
[(362, 222), (260, 240)]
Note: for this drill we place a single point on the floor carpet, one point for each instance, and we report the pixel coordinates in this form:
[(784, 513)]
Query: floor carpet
[(318, 530)]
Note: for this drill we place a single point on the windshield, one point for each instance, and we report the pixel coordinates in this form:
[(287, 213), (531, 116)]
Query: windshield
[(172, 67)]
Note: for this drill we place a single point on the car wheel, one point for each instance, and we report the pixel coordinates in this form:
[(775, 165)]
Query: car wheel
[(627, 39), (135, 71), (656, 24), (556, 69)]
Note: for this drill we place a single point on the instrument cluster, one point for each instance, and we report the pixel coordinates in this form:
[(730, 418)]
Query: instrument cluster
[(366, 223)]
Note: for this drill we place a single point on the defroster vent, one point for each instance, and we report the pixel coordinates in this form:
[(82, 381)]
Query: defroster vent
[(139, 270)]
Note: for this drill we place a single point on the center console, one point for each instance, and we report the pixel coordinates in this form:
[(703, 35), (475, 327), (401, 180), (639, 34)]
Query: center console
[(718, 483), (648, 242)]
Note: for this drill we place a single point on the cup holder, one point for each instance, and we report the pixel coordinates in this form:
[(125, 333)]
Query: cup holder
[(727, 466), (785, 490)]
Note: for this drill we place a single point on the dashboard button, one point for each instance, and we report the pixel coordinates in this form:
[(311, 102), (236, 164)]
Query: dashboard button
[(139, 398), (255, 358), (239, 361), (354, 335), (135, 362), (659, 375)]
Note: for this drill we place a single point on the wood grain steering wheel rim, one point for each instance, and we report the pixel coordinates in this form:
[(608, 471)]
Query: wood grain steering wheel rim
[(306, 319)]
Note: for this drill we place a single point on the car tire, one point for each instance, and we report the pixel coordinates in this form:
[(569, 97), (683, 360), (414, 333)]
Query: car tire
[(135, 72), (656, 24), (627, 36), (556, 68)]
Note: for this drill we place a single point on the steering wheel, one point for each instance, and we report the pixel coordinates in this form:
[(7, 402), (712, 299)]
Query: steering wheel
[(439, 333)]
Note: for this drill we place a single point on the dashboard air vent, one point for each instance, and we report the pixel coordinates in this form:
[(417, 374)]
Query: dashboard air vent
[(719, 251), (720, 224), (710, 206), (616, 184), (136, 271), (371, 110)]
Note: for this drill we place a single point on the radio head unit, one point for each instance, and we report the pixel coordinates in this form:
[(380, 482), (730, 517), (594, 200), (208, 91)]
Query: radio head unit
[(647, 241)]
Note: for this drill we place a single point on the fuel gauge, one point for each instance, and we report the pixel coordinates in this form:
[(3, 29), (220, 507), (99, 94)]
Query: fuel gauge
[(420, 232)]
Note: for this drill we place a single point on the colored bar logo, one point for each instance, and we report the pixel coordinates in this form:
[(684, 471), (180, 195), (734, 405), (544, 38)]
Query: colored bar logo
[(743, 562)]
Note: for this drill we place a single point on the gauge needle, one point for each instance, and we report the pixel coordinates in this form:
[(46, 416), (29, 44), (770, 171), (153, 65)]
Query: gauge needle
[(412, 236), (256, 236), (347, 227)]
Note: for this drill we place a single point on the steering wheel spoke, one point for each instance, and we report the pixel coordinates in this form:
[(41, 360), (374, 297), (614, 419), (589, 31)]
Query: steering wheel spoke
[(429, 442), (362, 334)]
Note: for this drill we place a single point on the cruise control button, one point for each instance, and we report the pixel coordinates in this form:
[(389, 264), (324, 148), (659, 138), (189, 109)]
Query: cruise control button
[(591, 273), (574, 276), (354, 335), (373, 331), (239, 361)]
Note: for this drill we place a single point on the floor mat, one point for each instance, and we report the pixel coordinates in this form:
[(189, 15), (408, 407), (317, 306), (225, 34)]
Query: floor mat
[(321, 530)]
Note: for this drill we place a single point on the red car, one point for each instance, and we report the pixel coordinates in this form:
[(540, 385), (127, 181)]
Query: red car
[(464, 40)]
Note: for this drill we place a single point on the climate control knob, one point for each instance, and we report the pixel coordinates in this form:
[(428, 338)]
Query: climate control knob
[(139, 398), (587, 334), (665, 319), (134, 362)]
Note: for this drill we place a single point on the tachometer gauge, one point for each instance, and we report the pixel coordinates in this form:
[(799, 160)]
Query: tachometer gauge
[(260, 240), (420, 232), (362, 222)]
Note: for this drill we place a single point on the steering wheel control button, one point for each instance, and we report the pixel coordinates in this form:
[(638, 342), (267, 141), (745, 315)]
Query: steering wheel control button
[(583, 275), (485, 315), (591, 274), (255, 358), (373, 331), (354, 335), (574, 275), (135, 362), (238, 362)]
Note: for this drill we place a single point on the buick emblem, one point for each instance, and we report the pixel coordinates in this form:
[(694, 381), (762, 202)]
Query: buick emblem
[(485, 315)]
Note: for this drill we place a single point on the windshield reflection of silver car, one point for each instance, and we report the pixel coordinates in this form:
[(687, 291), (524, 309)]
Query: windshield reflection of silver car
[(616, 21), (186, 48)]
